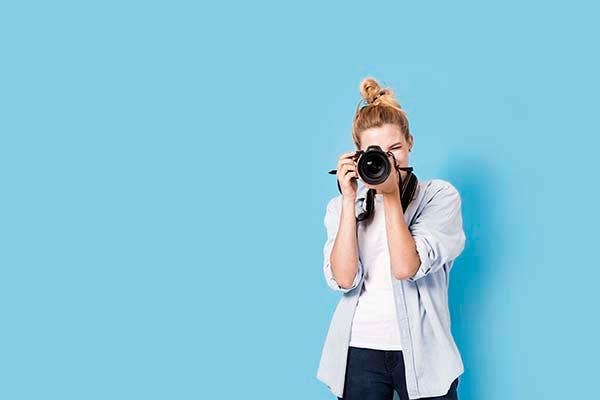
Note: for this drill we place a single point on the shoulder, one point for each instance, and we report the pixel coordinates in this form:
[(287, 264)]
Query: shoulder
[(334, 203), (435, 185), (440, 190)]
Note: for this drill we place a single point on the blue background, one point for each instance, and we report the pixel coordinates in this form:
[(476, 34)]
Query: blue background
[(164, 181)]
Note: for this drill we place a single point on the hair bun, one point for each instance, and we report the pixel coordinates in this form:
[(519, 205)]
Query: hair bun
[(371, 90)]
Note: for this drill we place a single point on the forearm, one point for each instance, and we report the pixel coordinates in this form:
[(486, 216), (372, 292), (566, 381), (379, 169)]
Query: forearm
[(404, 258), (344, 254)]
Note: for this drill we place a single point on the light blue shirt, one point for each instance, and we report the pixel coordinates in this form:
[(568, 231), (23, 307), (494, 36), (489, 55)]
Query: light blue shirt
[(432, 359)]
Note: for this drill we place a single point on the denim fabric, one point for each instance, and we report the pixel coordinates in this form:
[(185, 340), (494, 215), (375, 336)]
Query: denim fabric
[(375, 375)]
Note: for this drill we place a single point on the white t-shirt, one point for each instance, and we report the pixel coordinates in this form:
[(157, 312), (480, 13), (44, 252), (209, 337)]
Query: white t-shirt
[(375, 323)]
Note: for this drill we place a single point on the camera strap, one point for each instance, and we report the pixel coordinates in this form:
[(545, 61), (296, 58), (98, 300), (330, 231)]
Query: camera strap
[(408, 188)]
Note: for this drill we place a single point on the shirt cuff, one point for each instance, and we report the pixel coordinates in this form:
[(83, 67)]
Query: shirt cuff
[(424, 257)]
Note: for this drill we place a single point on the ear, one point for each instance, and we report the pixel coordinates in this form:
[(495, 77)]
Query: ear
[(411, 141)]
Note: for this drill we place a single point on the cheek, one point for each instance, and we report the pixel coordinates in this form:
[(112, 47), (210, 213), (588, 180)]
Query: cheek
[(401, 156)]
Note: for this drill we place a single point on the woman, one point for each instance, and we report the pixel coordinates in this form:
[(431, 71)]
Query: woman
[(389, 251)]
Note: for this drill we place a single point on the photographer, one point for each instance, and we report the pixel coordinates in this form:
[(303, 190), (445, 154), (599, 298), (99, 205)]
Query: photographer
[(390, 247)]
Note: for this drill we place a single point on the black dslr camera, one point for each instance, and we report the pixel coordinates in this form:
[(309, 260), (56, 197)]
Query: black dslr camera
[(374, 168), (373, 165)]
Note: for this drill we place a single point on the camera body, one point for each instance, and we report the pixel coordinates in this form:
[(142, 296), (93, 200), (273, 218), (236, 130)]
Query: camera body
[(373, 165)]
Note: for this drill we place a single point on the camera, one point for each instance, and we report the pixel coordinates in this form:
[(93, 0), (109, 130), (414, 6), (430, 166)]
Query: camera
[(373, 165)]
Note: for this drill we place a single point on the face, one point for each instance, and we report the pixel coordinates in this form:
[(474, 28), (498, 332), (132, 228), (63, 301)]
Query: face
[(389, 138)]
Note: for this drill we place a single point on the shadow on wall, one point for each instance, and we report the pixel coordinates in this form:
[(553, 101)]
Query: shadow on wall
[(474, 274)]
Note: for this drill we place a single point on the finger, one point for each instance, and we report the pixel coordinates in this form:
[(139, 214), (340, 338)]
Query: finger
[(345, 157), (347, 173), (342, 163), (340, 173), (346, 167), (349, 164), (350, 173), (348, 177)]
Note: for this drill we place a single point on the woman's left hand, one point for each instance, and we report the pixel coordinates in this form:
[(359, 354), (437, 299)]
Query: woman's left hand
[(391, 185)]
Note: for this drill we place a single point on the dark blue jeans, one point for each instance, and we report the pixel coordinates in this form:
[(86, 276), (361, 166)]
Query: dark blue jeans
[(375, 374)]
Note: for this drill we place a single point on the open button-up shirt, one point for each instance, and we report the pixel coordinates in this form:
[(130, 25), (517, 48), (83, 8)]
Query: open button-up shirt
[(432, 359)]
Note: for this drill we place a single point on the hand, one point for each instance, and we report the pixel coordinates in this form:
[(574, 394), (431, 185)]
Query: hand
[(391, 185), (347, 174)]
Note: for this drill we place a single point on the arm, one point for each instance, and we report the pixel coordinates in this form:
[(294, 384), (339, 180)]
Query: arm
[(404, 258), (341, 265), (437, 236), (438, 231)]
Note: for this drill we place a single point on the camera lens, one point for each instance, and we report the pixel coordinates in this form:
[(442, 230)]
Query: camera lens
[(374, 166)]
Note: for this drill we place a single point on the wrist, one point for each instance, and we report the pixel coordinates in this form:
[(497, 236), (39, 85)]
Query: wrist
[(395, 195), (348, 200)]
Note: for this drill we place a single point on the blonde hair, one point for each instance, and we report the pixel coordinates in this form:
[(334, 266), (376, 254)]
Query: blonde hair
[(381, 108)]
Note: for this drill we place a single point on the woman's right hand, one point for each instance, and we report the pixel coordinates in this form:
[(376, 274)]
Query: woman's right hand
[(347, 174)]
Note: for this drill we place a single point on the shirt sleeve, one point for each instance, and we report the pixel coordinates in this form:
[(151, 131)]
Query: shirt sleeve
[(331, 221), (438, 231)]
